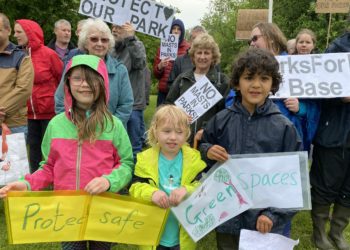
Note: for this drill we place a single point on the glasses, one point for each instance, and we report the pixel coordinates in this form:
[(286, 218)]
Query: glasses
[(76, 80), (254, 39), (94, 39)]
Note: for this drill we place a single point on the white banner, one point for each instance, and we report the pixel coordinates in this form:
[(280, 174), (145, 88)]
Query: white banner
[(253, 240), (314, 76), (218, 199), (169, 47), (199, 98), (148, 17), (272, 181), (14, 160)]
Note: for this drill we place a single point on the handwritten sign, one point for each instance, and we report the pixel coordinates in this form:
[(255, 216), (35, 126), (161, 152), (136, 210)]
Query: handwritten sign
[(246, 19), (249, 240), (332, 6), (169, 47), (218, 199), (13, 159), (199, 98), (314, 76), (148, 17), (75, 216), (274, 179)]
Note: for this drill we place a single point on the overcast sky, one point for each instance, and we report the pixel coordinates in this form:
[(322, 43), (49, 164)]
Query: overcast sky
[(191, 10)]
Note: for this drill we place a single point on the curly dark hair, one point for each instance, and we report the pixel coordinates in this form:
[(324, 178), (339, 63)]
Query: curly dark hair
[(257, 61)]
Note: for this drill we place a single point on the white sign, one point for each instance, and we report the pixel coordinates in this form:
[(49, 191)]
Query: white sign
[(253, 240), (270, 181), (13, 159), (148, 17), (169, 47), (314, 76), (199, 98), (218, 199)]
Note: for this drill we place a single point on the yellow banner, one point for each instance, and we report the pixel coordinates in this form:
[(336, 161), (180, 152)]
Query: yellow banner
[(75, 215)]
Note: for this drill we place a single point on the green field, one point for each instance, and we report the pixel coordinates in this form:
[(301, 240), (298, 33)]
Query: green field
[(301, 228)]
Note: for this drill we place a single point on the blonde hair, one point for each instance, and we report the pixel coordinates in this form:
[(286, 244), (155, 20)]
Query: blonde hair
[(206, 41), (167, 113)]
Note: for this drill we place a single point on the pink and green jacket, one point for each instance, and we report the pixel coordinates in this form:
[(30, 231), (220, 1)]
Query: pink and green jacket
[(70, 165)]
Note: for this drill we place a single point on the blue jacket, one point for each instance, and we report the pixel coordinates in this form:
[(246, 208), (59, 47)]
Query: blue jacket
[(266, 131), (120, 97)]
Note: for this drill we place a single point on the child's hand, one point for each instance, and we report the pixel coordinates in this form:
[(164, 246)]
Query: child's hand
[(160, 199), (13, 186), (177, 195), (292, 104), (217, 153), (97, 185), (264, 224)]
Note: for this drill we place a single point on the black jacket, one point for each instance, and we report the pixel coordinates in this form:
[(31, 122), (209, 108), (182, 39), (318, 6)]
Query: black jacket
[(334, 125), (266, 131)]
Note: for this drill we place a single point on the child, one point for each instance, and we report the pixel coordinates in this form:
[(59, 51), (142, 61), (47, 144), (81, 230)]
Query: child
[(166, 173), (253, 124), (85, 148)]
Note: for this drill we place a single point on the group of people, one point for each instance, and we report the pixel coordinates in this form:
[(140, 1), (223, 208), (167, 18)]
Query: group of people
[(94, 143)]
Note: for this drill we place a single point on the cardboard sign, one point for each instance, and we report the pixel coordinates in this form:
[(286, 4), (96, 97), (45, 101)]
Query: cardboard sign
[(199, 98), (332, 6), (76, 216), (314, 76), (218, 199), (13, 159), (148, 17), (169, 47), (246, 19)]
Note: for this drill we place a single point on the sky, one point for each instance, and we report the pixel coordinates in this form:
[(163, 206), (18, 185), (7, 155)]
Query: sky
[(191, 10)]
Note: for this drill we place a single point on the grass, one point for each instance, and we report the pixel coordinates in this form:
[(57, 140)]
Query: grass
[(301, 225)]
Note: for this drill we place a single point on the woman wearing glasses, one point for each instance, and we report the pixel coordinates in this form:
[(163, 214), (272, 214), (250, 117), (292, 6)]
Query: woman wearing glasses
[(96, 39), (48, 68)]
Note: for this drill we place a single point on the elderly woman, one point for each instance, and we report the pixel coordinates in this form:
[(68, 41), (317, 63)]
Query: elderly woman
[(96, 39), (205, 55)]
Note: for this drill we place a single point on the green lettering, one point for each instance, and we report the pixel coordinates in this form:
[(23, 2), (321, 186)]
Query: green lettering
[(196, 218), (70, 221), (56, 216), (294, 182), (265, 180), (273, 178), (28, 214), (104, 220), (212, 204), (241, 180), (46, 223), (138, 223), (284, 177), (116, 220)]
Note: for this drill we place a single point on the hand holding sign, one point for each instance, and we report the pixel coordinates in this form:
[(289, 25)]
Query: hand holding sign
[(163, 63), (129, 29), (264, 224), (177, 196), (217, 153), (13, 186), (160, 198)]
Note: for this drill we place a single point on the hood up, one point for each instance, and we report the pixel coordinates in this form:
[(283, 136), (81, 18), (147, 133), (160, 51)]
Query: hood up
[(95, 63)]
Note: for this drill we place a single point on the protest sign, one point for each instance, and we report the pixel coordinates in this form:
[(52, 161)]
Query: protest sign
[(169, 47), (76, 216), (274, 179), (314, 76), (249, 240), (246, 19), (14, 161), (199, 98), (148, 17), (332, 6), (219, 198)]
